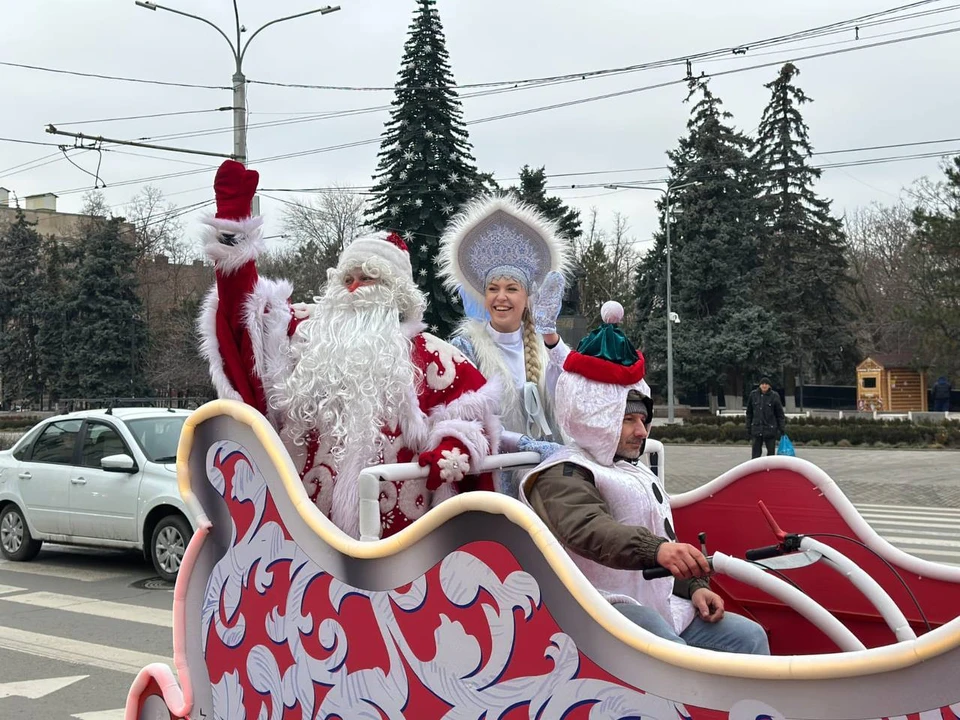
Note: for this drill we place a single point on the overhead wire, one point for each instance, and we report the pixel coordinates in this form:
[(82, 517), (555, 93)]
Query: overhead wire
[(818, 31), (542, 108), (144, 117), (711, 56), (568, 103), (77, 73)]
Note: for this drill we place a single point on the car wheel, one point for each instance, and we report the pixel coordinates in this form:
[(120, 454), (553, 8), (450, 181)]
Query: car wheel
[(16, 543), (169, 542)]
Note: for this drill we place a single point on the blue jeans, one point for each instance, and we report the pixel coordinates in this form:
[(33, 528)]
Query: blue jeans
[(733, 633)]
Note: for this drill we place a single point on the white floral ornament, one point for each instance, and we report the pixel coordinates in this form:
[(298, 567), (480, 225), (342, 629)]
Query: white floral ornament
[(453, 465)]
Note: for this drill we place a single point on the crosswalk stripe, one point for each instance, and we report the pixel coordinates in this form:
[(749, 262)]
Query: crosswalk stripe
[(101, 715), (923, 508), (912, 515), (937, 517), (944, 524), (98, 608), (908, 541), (66, 572), (919, 552), (77, 651), (5, 589), (885, 528)]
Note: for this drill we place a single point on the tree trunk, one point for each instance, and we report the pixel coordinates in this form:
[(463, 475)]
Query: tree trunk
[(733, 392), (714, 405), (789, 388)]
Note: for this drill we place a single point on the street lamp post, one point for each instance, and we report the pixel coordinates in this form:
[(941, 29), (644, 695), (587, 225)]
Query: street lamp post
[(239, 80), (666, 194)]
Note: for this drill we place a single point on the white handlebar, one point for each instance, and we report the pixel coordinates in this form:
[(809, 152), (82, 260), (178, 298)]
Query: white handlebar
[(870, 588), (806, 606), (369, 483)]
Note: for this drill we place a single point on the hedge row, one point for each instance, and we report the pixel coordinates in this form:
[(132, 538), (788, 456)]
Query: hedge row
[(829, 432), (14, 423), (817, 421)]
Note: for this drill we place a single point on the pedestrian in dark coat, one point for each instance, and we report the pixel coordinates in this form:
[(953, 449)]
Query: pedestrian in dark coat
[(765, 420), (941, 395)]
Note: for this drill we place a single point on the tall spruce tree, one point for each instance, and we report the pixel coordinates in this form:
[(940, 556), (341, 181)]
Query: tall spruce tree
[(533, 191), (19, 291), (725, 334), (803, 245), (108, 336), (426, 169), (55, 332)]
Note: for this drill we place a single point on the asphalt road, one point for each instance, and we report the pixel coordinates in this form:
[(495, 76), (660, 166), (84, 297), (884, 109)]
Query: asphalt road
[(77, 625)]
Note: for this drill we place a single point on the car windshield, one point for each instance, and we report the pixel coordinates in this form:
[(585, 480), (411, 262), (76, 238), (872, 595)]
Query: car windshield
[(158, 437)]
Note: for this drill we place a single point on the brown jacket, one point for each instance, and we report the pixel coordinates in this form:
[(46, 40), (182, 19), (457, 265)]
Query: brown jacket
[(567, 500)]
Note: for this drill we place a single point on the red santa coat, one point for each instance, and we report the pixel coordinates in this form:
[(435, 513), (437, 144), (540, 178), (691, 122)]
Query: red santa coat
[(246, 326)]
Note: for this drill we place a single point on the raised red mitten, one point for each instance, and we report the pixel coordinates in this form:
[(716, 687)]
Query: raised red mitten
[(234, 188)]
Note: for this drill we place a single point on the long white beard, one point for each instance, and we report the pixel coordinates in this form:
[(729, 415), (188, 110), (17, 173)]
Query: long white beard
[(352, 374)]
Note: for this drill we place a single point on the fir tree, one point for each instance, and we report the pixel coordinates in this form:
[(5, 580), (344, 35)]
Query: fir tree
[(724, 336), (107, 335), (934, 273), (54, 331), (426, 170), (803, 247), (533, 191), (19, 290)]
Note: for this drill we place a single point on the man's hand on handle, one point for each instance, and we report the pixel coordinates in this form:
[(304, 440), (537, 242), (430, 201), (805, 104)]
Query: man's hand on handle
[(682, 560)]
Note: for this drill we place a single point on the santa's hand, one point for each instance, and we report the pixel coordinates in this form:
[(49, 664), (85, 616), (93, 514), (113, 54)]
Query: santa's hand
[(234, 187), (546, 304), (449, 462), (543, 448)]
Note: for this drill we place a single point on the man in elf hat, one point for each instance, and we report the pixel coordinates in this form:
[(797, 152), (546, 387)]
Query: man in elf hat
[(609, 511), (351, 381)]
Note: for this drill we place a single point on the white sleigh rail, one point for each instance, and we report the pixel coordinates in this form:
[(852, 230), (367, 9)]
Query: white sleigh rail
[(370, 479)]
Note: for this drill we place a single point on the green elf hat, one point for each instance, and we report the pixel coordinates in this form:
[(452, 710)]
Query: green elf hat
[(606, 355)]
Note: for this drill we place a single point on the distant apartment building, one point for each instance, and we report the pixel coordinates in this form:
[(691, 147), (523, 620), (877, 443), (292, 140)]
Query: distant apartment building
[(164, 285)]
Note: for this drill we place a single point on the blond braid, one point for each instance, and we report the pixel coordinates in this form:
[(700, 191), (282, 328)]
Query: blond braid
[(531, 349)]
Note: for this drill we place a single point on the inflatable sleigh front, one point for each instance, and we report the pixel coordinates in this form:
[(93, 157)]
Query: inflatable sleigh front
[(476, 612)]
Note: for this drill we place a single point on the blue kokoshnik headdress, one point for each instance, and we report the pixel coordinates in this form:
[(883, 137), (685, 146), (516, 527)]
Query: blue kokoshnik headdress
[(495, 237)]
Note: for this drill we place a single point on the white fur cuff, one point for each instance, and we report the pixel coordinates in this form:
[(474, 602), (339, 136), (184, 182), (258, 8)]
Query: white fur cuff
[(247, 241)]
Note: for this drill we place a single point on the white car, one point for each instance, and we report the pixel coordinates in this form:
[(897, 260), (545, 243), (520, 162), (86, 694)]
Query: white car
[(104, 478)]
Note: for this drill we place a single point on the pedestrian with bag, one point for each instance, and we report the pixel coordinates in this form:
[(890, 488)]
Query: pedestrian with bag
[(766, 423)]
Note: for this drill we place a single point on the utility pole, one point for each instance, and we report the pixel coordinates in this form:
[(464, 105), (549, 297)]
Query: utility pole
[(671, 317), (239, 51)]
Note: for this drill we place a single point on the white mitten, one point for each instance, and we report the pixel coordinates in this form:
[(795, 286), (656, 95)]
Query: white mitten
[(546, 304)]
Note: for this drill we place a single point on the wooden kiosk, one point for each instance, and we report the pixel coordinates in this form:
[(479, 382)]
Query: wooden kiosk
[(889, 383)]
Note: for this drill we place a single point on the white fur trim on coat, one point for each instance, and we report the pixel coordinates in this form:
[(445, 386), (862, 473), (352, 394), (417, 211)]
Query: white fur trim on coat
[(210, 346), (266, 316), (471, 419), (477, 212), (248, 241)]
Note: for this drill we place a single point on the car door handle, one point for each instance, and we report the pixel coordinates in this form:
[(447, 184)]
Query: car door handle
[(24, 476), (78, 481)]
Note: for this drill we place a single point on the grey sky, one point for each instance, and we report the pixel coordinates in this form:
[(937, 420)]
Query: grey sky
[(899, 93)]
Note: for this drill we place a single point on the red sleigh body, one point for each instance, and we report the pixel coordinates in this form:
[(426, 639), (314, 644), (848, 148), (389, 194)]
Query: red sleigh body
[(475, 611)]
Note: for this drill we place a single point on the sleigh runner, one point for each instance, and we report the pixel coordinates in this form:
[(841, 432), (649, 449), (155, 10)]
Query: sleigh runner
[(476, 611)]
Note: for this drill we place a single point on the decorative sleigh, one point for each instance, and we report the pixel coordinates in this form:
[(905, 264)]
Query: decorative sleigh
[(476, 612)]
